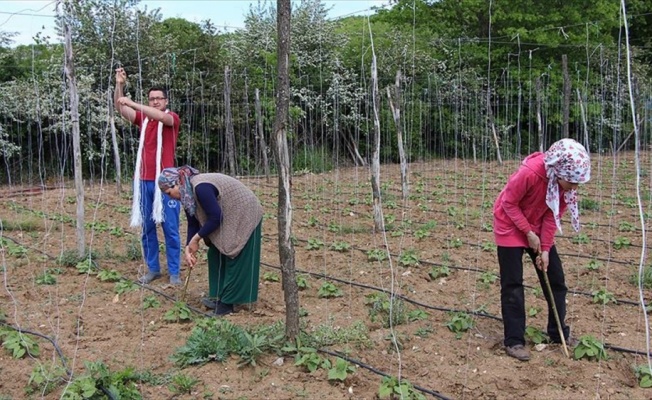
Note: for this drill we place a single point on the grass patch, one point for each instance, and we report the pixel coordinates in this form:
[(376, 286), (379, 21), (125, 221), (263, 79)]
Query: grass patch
[(28, 223)]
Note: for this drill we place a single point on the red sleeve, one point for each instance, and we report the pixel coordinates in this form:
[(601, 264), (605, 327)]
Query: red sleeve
[(515, 190), (140, 117), (177, 121)]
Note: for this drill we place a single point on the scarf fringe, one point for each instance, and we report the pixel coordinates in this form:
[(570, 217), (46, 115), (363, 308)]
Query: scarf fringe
[(136, 210)]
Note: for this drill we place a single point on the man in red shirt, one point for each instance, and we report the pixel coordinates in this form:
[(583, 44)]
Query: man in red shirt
[(159, 130)]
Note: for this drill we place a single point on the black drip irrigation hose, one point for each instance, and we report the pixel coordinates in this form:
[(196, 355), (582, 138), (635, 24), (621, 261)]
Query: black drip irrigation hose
[(381, 373), (407, 299)]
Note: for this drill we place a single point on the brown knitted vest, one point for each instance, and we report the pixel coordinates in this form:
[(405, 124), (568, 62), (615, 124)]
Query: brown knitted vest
[(241, 212)]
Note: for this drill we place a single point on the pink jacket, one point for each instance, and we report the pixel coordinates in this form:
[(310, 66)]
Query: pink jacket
[(521, 207)]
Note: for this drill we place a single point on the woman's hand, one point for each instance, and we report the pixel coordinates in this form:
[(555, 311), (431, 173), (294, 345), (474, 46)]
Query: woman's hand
[(191, 251), (534, 242), (542, 261)]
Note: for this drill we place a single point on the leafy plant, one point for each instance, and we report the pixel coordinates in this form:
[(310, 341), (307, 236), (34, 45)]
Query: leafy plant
[(581, 238), (108, 275), (487, 278), (182, 384), (46, 278), (588, 204), (455, 243), (302, 282), (309, 359), (391, 388), (376, 255), (86, 266), (644, 376), (314, 244), (98, 380), (179, 312), (421, 233), (18, 344), (459, 323), (389, 310), (341, 370), (590, 348), (489, 246), (646, 278), (271, 277), (535, 335), (328, 290), (341, 246), (408, 258), (439, 272), (125, 286), (621, 243), (603, 297), (533, 311), (593, 265), (44, 379), (626, 227), (150, 302)]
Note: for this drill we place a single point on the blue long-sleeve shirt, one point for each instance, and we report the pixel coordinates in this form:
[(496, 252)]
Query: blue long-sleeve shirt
[(206, 198)]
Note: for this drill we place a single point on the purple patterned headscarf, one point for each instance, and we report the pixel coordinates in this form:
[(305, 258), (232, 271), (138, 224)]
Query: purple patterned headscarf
[(568, 160), (171, 177)]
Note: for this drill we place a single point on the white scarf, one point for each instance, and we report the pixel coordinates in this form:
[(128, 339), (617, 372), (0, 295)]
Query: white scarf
[(157, 212), (568, 160)]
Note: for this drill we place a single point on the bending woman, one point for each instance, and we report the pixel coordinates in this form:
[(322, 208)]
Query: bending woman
[(228, 216)]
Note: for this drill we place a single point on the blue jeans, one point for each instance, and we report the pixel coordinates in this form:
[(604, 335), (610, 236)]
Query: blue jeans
[(171, 209)]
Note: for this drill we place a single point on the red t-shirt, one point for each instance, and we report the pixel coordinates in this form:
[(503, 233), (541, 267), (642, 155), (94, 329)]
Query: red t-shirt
[(170, 135)]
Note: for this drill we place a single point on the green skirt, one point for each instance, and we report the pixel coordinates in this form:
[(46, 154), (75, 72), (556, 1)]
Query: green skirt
[(235, 280)]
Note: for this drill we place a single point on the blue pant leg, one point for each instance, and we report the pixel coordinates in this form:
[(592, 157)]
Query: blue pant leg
[(149, 238), (171, 210)]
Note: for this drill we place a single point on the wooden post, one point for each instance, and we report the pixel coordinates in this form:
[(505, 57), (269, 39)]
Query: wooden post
[(567, 95), (76, 141), (260, 135), (114, 142), (228, 121), (286, 249), (396, 113)]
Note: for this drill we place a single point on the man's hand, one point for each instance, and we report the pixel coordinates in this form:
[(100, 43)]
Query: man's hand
[(126, 101), (542, 261), (534, 242), (120, 76)]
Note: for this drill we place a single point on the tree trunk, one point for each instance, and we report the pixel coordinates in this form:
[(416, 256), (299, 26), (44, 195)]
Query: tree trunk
[(379, 224), (492, 125), (76, 141), (114, 142), (567, 95), (286, 249), (228, 121), (396, 113), (260, 135), (539, 119), (584, 124)]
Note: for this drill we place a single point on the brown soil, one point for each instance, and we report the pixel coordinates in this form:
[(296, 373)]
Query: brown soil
[(88, 322)]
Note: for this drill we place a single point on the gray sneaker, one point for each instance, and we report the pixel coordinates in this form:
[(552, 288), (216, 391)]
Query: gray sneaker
[(175, 280), (518, 351), (210, 303), (149, 277)]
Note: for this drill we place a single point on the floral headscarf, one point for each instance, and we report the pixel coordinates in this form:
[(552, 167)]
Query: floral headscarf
[(171, 177), (568, 160)]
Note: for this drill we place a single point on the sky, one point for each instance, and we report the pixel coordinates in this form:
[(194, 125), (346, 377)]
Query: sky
[(28, 17)]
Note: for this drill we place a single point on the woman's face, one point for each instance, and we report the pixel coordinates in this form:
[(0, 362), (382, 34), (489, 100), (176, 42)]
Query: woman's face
[(567, 185), (173, 192)]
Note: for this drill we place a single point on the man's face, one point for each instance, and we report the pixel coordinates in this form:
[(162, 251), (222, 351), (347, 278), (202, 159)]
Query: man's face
[(157, 100)]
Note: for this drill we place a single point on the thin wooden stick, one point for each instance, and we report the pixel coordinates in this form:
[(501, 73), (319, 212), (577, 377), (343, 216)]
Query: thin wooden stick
[(185, 286), (554, 308)]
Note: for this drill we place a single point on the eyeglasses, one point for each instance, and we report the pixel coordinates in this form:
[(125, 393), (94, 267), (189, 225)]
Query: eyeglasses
[(157, 98)]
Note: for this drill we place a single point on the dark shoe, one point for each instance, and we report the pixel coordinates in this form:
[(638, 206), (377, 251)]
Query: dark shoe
[(149, 277), (175, 280), (571, 342), (518, 351), (223, 309), (210, 303)]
